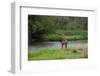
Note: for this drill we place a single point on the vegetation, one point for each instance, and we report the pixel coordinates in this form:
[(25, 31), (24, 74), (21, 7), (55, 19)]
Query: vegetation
[(67, 53), (68, 35), (51, 28)]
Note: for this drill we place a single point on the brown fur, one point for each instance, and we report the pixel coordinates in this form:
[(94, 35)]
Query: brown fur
[(63, 42)]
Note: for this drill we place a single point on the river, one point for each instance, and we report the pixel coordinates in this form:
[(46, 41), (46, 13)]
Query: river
[(55, 45)]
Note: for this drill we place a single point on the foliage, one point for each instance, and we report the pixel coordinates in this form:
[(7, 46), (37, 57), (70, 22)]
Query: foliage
[(39, 26), (67, 35)]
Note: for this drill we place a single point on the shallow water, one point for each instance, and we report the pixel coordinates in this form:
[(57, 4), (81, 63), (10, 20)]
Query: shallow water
[(55, 45)]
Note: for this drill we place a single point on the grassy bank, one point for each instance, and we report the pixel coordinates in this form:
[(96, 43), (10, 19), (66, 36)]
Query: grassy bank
[(69, 35), (54, 37), (67, 53), (58, 35)]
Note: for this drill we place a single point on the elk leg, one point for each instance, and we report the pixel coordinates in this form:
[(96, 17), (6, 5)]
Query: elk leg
[(65, 45), (62, 45)]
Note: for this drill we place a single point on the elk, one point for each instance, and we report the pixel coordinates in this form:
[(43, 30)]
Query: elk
[(63, 42)]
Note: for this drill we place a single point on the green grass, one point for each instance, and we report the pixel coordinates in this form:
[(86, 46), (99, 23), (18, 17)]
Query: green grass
[(50, 54), (71, 32), (69, 35), (55, 37)]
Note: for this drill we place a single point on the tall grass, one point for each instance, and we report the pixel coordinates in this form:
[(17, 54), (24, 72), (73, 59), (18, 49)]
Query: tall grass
[(69, 35), (55, 37)]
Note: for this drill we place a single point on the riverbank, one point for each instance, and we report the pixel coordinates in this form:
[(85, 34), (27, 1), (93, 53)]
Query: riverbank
[(58, 35), (55, 37), (66, 53)]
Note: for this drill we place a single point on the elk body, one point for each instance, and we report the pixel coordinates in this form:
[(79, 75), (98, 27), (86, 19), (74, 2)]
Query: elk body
[(64, 42)]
